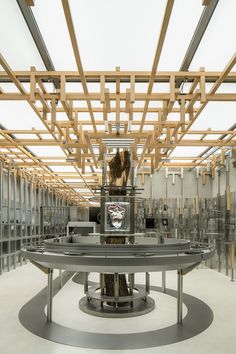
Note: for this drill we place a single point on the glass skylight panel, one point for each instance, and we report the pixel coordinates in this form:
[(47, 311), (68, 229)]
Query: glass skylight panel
[(25, 136), (184, 19), (47, 151), (217, 45), (52, 24), (185, 151), (82, 190), (227, 88), (111, 33), (62, 169), (100, 128), (70, 180), (139, 104), (192, 136), (217, 116), (87, 169), (18, 115), (173, 116), (8, 87), (17, 45), (212, 137), (151, 116), (147, 128)]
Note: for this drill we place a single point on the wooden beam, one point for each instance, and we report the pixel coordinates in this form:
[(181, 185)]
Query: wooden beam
[(127, 101), (117, 111), (75, 47), (140, 76), (203, 86), (132, 89), (90, 148), (53, 114), (160, 44), (172, 89), (182, 114), (63, 88), (30, 2), (32, 84), (102, 89), (206, 2), (107, 99), (146, 146)]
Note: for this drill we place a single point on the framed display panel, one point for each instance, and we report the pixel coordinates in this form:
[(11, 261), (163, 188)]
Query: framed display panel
[(117, 217)]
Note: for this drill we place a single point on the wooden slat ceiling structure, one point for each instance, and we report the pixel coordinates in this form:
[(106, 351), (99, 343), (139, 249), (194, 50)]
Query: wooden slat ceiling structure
[(126, 114)]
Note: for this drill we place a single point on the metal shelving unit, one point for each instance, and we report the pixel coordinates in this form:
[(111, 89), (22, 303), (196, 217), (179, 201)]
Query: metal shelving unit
[(21, 204)]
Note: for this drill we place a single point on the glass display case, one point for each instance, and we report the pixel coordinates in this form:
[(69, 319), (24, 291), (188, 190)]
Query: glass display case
[(117, 217)]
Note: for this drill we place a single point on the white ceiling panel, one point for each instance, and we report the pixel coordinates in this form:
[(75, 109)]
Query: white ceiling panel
[(47, 151), (18, 115), (183, 21), (51, 21), (17, 45), (217, 116), (218, 44), (111, 33), (62, 168), (185, 151)]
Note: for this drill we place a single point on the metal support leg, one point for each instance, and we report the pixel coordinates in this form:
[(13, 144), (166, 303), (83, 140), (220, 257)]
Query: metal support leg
[(147, 283), (163, 284), (180, 297), (226, 265), (49, 295), (102, 286), (116, 286), (8, 264), (60, 278), (86, 283), (131, 283), (226, 259), (232, 260), (219, 262), (232, 274)]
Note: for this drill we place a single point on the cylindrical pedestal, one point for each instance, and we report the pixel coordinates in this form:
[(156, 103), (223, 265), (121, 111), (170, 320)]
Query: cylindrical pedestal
[(49, 295), (98, 303), (180, 297)]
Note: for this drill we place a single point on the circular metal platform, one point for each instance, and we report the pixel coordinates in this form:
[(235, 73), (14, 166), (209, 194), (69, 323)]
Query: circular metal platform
[(32, 316), (139, 307)]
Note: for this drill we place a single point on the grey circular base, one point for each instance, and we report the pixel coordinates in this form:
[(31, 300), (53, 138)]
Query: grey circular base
[(140, 307), (32, 316)]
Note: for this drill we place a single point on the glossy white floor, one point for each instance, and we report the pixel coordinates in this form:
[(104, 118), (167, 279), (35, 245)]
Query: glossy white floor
[(18, 286)]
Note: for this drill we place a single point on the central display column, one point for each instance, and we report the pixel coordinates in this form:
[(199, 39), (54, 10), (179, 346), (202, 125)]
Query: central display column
[(116, 216), (117, 295)]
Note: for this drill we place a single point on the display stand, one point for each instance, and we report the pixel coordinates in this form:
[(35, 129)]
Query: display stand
[(116, 295)]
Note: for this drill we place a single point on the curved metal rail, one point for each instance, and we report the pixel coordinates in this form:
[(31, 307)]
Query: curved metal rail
[(118, 259)]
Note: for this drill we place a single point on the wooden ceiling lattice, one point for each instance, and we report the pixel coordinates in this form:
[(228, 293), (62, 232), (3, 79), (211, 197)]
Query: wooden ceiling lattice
[(78, 120)]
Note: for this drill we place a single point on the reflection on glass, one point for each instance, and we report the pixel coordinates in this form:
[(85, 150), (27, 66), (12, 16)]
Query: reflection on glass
[(117, 216)]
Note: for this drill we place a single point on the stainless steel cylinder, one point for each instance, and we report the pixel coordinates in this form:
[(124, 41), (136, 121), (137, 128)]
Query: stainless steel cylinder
[(60, 278), (116, 286), (147, 283), (180, 298), (86, 283), (163, 281), (49, 295)]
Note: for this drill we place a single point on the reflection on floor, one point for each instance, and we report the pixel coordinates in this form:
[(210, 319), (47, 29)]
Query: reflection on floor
[(20, 285)]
